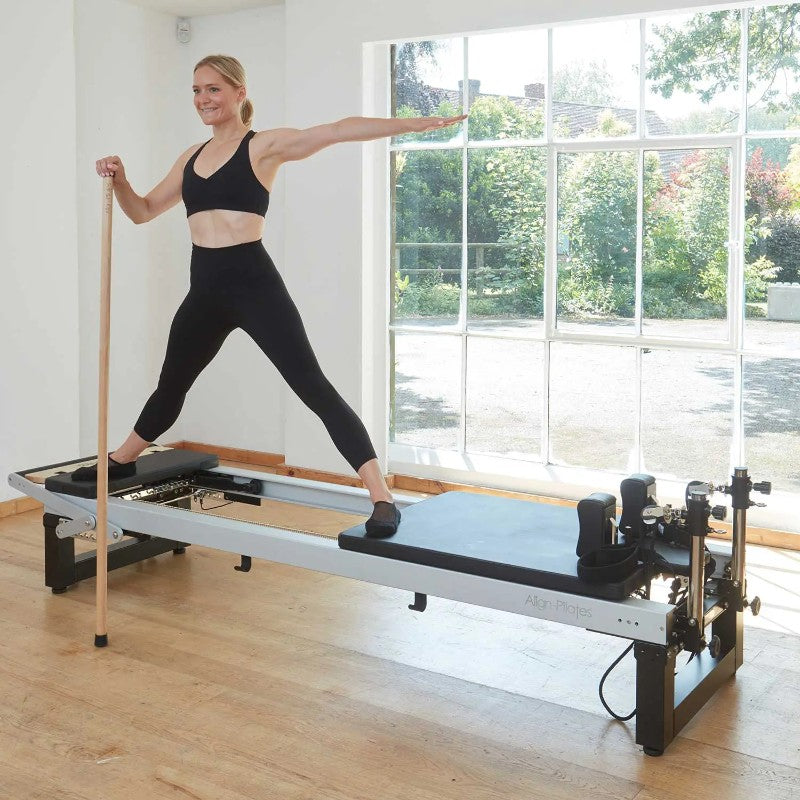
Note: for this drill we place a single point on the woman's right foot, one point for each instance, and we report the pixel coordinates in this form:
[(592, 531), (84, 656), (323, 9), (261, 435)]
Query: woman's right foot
[(116, 471), (384, 520)]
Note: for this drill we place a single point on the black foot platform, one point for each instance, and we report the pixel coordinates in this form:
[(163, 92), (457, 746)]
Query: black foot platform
[(159, 466)]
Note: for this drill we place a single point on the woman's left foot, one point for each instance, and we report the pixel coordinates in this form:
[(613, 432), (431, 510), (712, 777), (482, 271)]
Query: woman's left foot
[(116, 470), (384, 520)]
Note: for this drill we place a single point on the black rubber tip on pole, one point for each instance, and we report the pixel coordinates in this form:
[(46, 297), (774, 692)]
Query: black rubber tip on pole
[(100, 640)]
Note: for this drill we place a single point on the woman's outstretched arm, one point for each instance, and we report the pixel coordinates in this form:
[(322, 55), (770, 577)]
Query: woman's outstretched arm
[(294, 144)]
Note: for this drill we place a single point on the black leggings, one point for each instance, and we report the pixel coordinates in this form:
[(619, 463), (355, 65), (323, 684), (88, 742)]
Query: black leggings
[(240, 287)]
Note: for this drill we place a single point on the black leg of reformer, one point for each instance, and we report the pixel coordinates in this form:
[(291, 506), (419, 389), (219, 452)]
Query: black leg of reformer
[(730, 629), (63, 568), (665, 702), (655, 696), (59, 557), (420, 602)]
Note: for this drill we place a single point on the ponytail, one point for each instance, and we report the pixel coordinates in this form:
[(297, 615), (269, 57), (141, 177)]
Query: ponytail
[(247, 112)]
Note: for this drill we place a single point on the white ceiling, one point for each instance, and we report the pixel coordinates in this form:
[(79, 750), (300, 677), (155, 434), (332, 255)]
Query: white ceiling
[(196, 8)]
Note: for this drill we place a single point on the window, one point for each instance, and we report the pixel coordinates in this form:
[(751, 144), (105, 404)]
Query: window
[(600, 268)]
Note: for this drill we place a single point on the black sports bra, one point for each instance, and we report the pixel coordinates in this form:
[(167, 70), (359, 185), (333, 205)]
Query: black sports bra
[(234, 186)]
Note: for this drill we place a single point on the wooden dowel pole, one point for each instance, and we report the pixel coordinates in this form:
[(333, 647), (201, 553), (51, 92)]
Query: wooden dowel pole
[(101, 599)]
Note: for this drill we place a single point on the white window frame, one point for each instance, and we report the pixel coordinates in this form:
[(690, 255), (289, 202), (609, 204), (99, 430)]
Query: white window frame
[(540, 477)]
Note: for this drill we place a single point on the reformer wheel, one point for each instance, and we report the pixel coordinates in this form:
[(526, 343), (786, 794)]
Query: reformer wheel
[(652, 751)]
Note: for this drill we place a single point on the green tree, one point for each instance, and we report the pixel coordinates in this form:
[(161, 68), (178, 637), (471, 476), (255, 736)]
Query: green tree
[(702, 56), (587, 83), (505, 204), (767, 190), (685, 261), (771, 197), (409, 89), (597, 214), (792, 175)]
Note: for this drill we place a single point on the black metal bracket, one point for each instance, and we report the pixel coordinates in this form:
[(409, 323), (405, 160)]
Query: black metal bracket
[(733, 594), (420, 602), (247, 562)]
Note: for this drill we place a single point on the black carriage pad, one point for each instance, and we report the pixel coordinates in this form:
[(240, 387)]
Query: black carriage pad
[(152, 467), (497, 537)]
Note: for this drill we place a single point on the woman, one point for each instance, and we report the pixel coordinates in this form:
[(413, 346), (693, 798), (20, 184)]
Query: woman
[(225, 185)]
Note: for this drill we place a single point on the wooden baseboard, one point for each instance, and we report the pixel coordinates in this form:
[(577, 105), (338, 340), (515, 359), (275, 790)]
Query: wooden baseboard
[(427, 486), (321, 475), (766, 537), (276, 462), (254, 457), (9, 508)]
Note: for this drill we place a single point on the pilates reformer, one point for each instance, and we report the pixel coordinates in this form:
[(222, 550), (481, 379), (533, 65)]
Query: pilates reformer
[(508, 554)]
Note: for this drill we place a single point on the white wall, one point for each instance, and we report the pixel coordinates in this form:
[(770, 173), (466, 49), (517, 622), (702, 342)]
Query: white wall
[(129, 104), (326, 45), (39, 346), (146, 115), (238, 400), (107, 77)]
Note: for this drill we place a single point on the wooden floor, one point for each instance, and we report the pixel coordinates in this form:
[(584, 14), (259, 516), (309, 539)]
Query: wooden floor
[(285, 683)]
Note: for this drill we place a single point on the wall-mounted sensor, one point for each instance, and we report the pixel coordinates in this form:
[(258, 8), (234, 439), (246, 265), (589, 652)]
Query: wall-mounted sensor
[(184, 30)]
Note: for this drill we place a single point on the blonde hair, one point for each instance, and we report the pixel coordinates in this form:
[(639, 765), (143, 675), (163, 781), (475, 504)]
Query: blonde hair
[(233, 72)]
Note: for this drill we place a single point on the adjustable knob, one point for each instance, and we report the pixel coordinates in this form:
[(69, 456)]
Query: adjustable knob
[(719, 512), (715, 647), (652, 514), (765, 487), (755, 605)]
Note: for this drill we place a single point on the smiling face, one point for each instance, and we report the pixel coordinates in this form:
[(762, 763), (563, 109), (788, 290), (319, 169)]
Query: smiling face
[(215, 99)]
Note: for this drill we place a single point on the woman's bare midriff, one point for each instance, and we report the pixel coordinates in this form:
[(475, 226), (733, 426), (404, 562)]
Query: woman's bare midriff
[(223, 228)]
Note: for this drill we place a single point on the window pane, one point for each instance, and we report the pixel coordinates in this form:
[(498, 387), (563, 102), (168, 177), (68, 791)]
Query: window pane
[(506, 232), (687, 414), (426, 251), (772, 254), (596, 240), (773, 97), (504, 397), (771, 398), (692, 73), (592, 406), (685, 249), (425, 380), (427, 81), (595, 80), (507, 74)]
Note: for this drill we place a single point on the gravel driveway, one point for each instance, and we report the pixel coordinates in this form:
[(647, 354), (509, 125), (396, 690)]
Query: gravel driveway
[(687, 400)]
